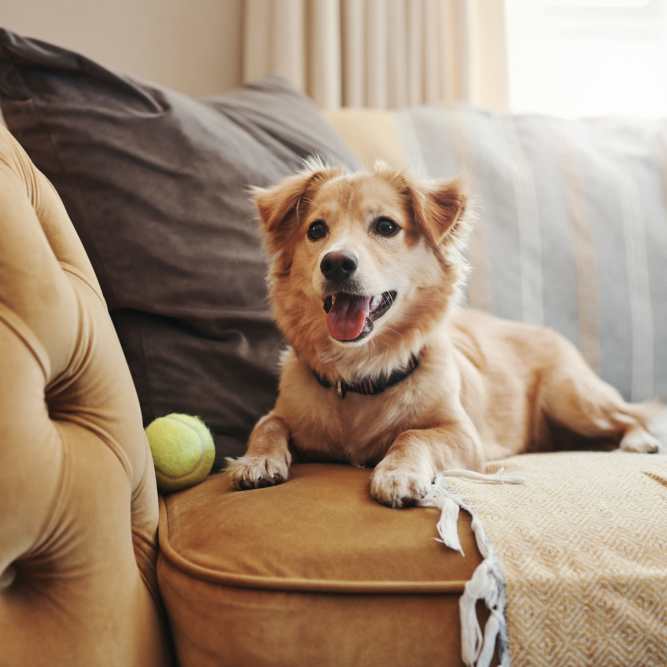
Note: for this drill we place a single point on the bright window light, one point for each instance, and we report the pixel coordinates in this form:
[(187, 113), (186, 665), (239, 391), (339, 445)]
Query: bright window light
[(587, 57)]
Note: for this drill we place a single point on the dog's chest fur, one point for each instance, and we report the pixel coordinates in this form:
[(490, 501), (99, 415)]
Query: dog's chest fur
[(357, 428), (487, 377)]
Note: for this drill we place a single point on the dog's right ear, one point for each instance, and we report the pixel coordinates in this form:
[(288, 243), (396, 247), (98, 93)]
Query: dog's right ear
[(282, 207)]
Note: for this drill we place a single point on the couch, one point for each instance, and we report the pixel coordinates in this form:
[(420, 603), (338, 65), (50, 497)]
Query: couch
[(96, 569), (80, 550)]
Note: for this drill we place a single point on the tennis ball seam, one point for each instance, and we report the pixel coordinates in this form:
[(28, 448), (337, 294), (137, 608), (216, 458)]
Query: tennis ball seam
[(185, 422), (203, 436)]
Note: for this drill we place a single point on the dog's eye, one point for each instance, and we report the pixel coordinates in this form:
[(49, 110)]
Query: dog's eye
[(385, 227), (317, 230)]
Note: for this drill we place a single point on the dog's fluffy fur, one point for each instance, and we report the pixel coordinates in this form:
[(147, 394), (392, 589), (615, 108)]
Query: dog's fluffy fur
[(485, 388)]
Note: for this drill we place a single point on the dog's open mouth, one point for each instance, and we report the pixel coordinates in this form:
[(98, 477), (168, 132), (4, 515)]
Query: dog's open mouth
[(350, 317)]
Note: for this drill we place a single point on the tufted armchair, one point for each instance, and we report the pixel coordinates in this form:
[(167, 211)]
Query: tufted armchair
[(77, 490)]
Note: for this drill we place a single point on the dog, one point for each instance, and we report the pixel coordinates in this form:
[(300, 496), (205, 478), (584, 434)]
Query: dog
[(384, 367)]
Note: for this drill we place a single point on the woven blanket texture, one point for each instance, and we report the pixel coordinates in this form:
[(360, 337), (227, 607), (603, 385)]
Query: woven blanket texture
[(583, 548)]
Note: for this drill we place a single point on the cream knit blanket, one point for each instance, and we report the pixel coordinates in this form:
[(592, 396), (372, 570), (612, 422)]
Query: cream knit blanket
[(576, 560)]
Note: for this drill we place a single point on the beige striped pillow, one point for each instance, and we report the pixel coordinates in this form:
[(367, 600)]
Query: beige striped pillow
[(572, 229)]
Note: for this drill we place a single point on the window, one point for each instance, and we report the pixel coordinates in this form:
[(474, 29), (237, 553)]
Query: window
[(587, 57)]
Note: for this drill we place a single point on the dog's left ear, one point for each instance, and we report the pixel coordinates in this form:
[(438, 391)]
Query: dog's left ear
[(438, 208)]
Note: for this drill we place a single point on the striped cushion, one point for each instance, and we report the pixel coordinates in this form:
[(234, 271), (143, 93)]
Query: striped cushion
[(572, 229)]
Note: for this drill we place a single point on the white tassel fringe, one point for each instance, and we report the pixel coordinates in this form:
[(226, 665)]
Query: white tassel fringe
[(487, 582)]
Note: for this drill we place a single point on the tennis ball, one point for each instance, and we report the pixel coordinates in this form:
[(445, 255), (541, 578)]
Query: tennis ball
[(183, 451)]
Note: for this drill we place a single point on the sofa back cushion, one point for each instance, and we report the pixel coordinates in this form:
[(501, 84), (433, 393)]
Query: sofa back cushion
[(156, 185), (571, 227)]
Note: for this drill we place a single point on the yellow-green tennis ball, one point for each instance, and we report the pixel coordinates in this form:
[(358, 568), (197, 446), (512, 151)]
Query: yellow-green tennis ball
[(183, 451)]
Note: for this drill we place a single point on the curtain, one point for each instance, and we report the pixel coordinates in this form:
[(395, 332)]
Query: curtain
[(380, 53)]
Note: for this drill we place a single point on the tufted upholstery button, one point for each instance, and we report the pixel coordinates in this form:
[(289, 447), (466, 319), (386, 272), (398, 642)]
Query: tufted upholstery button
[(77, 487), (7, 577)]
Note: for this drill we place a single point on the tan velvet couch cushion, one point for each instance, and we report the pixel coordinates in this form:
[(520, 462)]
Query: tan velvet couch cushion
[(311, 572)]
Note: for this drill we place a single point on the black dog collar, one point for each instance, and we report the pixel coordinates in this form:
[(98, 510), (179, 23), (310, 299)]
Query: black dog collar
[(371, 386)]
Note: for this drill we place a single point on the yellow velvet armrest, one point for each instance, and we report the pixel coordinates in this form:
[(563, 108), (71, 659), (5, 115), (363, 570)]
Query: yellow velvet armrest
[(77, 488)]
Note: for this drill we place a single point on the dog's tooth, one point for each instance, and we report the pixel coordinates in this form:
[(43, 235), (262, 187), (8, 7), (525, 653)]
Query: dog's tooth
[(375, 301)]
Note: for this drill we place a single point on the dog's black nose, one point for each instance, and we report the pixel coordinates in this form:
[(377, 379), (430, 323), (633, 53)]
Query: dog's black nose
[(338, 266)]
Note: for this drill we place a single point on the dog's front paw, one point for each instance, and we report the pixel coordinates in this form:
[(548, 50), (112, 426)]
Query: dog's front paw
[(398, 486), (253, 472)]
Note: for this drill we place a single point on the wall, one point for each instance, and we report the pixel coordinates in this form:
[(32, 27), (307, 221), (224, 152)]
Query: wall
[(188, 45)]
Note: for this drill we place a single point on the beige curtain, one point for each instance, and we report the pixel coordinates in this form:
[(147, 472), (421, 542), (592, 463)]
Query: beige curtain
[(380, 53)]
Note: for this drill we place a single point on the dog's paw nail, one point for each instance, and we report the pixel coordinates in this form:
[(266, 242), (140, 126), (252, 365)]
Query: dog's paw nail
[(257, 472)]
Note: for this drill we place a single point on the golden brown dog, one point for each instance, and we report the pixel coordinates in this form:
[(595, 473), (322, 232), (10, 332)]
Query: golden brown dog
[(384, 368)]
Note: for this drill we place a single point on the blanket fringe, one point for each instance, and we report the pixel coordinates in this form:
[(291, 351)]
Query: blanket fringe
[(487, 583)]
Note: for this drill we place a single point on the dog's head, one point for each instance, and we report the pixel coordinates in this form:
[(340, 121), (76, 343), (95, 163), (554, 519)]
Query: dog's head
[(363, 265)]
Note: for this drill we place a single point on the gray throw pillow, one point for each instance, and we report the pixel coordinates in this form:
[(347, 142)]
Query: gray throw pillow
[(156, 185)]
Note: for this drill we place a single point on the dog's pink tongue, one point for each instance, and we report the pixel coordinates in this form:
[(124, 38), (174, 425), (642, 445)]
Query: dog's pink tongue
[(347, 316)]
